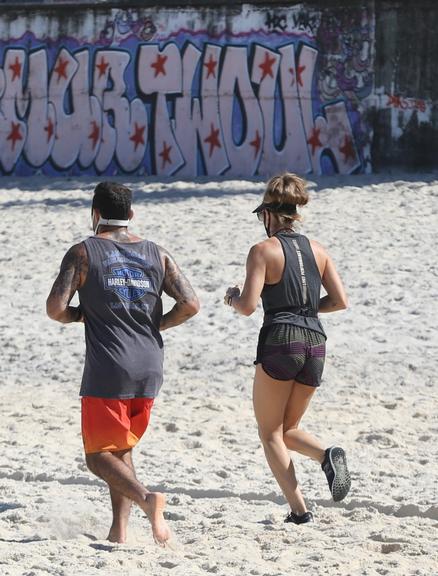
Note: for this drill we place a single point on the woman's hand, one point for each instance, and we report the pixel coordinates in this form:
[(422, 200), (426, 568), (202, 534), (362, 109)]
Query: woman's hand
[(231, 293)]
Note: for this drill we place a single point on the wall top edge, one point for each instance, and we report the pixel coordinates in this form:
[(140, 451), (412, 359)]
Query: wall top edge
[(86, 4)]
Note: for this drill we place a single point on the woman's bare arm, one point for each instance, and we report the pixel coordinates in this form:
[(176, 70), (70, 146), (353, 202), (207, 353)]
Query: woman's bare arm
[(336, 298), (246, 302)]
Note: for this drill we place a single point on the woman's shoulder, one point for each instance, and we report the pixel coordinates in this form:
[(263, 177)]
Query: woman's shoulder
[(316, 245), (264, 248), (266, 245)]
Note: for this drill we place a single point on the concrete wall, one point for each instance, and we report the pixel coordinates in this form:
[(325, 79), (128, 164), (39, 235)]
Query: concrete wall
[(233, 89)]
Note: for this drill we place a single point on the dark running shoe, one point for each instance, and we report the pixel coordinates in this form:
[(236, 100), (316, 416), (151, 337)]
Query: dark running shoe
[(336, 471), (303, 519)]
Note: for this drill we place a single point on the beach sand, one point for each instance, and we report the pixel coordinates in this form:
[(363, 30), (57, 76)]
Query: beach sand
[(378, 398)]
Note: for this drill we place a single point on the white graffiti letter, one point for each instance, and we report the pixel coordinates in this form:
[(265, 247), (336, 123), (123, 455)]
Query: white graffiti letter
[(13, 131), (130, 122), (293, 153), (41, 118), (198, 120), (160, 73), (235, 90)]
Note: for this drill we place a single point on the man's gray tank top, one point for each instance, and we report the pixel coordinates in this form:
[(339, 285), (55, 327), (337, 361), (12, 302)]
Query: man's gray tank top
[(295, 298), (122, 307)]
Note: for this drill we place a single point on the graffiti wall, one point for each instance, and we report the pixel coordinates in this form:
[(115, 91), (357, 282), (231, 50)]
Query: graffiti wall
[(187, 92)]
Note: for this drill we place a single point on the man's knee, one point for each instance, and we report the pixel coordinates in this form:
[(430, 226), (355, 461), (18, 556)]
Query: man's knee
[(92, 461)]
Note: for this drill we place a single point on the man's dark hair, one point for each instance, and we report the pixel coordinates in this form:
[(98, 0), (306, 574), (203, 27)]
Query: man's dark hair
[(113, 200)]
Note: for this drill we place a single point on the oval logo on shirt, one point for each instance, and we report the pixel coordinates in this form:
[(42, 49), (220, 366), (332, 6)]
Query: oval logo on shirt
[(128, 283)]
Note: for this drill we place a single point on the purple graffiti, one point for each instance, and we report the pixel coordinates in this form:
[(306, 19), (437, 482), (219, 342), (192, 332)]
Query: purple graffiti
[(202, 108)]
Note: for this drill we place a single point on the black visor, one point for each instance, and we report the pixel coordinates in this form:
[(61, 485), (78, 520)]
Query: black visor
[(276, 207)]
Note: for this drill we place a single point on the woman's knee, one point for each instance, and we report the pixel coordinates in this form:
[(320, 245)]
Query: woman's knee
[(289, 430), (268, 437), (290, 426)]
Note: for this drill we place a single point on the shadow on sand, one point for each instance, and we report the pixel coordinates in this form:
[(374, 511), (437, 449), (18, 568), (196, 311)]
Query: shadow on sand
[(155, 190)]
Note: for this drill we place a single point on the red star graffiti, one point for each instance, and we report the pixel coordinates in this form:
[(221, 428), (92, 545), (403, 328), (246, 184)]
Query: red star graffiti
[(49, 128), (213, 139), (165, 154), (348, 148), (15, 68), (211, 66), (256, 143), (300, 70), (138, 136), (94, 134), (314, 140), (159, 65), (102, 66), (61, 68), (15, 134), (266, 66)]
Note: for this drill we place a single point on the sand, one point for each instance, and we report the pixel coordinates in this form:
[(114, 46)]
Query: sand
[(378, 398)]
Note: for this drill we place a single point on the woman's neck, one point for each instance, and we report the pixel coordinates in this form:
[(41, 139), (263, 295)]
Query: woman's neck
[(281, 229)]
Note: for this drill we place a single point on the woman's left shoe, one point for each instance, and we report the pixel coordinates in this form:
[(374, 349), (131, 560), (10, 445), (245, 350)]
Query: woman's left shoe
[(336, 471), (303, 519)]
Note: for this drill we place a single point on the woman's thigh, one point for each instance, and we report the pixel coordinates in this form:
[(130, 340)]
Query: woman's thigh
[(270, 398), (297, 404)]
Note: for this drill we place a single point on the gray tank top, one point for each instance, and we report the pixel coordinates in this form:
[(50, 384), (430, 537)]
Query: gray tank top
[(295, 299), (121, 302)]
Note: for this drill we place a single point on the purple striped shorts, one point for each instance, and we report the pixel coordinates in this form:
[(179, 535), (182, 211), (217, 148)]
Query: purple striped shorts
[(288, 352)]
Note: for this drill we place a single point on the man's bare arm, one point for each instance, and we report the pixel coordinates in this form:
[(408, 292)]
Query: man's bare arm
[(70, 278), (177, 287)]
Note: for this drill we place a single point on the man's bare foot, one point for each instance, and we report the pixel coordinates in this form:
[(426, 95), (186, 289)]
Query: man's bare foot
[(154, 508)]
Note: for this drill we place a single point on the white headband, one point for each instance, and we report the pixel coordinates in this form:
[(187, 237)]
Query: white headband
[(109, 222), (112, 222)]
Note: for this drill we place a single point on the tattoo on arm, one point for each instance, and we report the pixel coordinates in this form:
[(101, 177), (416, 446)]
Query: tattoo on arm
[(73, 270), (176, 284)]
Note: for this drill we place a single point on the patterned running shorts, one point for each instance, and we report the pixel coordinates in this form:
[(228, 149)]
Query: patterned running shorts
[(288, 352)]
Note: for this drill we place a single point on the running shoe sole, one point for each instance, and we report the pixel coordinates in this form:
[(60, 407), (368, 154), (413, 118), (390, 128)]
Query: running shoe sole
[(342, 480)]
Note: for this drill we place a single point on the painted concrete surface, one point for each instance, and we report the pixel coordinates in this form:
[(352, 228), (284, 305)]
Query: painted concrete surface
[(244, 91)]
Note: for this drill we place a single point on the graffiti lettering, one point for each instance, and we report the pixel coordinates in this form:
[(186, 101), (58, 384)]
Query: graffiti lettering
[(401, 103), (306, 21), (144, 99), (276, 22)]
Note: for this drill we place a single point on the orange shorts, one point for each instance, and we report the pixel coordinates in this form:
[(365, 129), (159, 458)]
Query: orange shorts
[(111, 424)]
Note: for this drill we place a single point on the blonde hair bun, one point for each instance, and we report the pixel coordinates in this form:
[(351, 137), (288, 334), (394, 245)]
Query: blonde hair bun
[(287, 188)]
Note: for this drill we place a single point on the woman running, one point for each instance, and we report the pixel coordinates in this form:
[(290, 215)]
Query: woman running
[(287, 271)]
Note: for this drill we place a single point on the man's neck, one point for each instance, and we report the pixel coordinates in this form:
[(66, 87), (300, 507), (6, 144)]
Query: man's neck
[(118, 233)]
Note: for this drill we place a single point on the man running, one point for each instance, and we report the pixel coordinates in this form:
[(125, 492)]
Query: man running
[(120, 279)]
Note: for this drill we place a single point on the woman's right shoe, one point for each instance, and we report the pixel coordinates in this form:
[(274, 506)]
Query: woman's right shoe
[(336, 471), (302, 519)]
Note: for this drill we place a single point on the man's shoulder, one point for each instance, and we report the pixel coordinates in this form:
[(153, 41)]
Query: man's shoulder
[(76, 255), (77, 249)]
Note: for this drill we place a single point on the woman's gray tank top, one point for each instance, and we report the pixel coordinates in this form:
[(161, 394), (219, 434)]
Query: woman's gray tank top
[(295, 298), (122, 307)]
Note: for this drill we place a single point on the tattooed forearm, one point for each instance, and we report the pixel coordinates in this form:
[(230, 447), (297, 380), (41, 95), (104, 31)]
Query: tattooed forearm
[(177, 287), (71, 275), (176, 284)]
